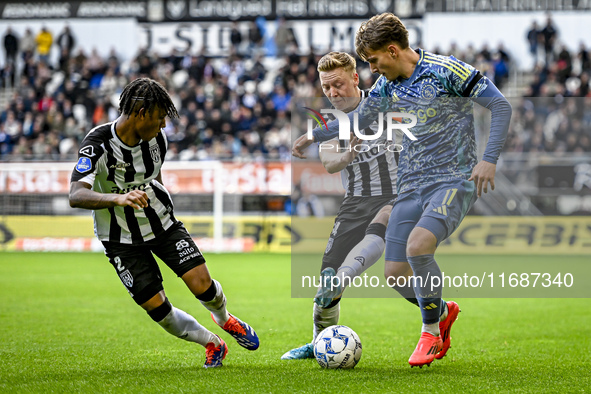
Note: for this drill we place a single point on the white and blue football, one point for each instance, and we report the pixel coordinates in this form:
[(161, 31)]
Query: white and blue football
[(337, 347)]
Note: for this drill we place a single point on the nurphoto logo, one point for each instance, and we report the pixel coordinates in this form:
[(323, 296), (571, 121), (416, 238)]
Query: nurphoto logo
[(394, 121)]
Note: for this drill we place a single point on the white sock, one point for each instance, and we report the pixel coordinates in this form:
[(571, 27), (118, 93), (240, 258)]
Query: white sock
[(325, 317), (444, 314), (432, 329), (182, 325), (217, 306), (361, 257)]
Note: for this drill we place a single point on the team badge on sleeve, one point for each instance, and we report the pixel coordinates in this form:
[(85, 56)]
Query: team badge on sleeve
[(84, 165)]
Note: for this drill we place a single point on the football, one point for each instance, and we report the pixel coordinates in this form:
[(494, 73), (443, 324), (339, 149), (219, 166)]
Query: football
[(337, 347)]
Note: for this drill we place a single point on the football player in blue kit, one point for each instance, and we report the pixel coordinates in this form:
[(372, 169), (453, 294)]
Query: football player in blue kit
[(439, 176)]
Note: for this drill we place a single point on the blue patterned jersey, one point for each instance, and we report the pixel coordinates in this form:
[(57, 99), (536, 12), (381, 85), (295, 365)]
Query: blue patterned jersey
[(439, 94), (436, 93)]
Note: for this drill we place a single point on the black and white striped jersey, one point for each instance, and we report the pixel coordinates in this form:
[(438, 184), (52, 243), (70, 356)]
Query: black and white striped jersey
[(111, 166), (373, 172)]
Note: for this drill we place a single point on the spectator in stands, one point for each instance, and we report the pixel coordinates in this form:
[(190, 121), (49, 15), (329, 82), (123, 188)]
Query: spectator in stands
[(8, 72), (485, 53), (583, 57), (281, 37), (255, 38), (44, 41), (27, 44), (7, 75), (501, 66), (281, 98), (549, 36), (235, 38), (10, 46), (503, 53), (564, 64), (66, 43), (533, 38)]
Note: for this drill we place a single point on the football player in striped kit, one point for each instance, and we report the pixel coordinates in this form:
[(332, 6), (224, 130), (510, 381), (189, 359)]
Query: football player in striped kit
[(118, 177), (368, 173), (439, 176)]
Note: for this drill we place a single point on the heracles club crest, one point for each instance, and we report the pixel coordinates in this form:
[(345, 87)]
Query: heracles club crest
[(126, 278), (155, 153)]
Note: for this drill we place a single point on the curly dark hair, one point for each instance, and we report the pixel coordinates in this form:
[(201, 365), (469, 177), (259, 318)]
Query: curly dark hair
[(148, 94)]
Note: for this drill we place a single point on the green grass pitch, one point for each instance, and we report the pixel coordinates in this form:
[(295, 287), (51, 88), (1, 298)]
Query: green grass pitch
[(68, 325)]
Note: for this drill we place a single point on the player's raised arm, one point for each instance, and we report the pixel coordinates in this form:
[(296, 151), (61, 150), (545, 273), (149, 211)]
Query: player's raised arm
[(484, 172), (335, 158), (300, 145), (472, 84)]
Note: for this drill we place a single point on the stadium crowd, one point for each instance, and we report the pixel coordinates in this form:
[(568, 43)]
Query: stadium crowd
[(235, 108), (555, 114)]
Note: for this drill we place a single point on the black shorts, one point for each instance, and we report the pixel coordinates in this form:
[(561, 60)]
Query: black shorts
[(137, 267), (353, 217)]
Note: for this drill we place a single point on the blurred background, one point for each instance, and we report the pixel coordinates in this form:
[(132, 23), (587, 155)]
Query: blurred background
[(233, 68)]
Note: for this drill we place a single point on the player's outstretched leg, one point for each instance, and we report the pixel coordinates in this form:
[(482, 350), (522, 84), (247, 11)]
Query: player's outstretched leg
[(300, 353), (184, 326), (363, 255), (215, 301), (323, 317), (445, 327)]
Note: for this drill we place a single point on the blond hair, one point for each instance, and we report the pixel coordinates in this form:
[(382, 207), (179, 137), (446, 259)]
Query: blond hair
[(333, 60), (379, 31)]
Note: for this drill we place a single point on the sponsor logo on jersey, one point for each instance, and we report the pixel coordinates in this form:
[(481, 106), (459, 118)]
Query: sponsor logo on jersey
[(182, 244), (84, 165), (120, 166), (186, 251), (118, 190), (155, 153), (87, 151)]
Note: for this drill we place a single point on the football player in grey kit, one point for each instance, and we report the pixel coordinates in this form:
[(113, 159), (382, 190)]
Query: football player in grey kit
[(118, 177)]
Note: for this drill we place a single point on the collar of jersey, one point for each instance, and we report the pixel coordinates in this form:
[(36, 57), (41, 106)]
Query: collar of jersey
[(115, 135), (408, 81)]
